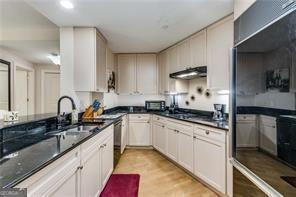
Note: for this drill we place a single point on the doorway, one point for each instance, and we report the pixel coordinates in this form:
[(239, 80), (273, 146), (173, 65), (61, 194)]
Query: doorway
[(50, 91)]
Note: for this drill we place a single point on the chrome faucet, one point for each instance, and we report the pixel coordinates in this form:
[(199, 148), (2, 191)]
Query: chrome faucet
[(62, 117)]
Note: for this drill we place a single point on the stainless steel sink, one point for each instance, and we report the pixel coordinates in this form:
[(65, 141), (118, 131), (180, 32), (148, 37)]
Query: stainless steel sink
[(73, 130)]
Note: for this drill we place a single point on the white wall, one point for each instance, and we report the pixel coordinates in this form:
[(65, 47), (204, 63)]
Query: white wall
[(137, 100), (201, 102), (110, 100)]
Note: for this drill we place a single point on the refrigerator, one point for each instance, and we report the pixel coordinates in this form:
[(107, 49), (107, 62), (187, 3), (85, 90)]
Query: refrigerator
[(263, 101)]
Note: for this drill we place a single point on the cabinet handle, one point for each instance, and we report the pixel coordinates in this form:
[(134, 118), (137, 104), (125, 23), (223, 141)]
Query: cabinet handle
[(105, 145), (194, 137), (207, 132), (102, 146), (148, 122), (79, 167), (162, 126), (273, 127)]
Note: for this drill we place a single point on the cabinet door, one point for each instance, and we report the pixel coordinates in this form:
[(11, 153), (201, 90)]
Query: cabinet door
[(172, 143), (91, 173), (210, 162), (185, 150), (107, 159), (184, 55), (126, 74), (110, 60), (163, 72), (146, 74), (268, 138), (173, 59), (101, 64), (69, 187), (159, 137), (246, 135), (219, 43), (139, 133), (198, 47)]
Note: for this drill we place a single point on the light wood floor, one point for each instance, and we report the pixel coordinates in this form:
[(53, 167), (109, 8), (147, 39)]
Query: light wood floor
[(158, 176)]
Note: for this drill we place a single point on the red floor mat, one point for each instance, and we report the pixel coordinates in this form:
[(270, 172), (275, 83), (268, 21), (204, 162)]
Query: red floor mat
[(122, 185)]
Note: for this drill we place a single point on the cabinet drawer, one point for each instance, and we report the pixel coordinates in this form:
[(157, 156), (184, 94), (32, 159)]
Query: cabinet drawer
[(180, 125), (211, 133), (139, 117), (159, 119), (94, 142), (246, 117), (268, 121)]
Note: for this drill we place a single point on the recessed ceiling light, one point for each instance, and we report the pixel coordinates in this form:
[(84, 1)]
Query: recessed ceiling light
[(67, 4)]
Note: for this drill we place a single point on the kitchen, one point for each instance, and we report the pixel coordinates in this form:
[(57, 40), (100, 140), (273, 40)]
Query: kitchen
[(112, 98)]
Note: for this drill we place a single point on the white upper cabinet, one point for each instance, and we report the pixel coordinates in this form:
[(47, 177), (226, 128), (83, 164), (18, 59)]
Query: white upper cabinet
[(173, 59), (166, 84), (163, 73), (89, 60), (184, 55), (219, 44), (137, 74), (146, 73), (240, 6), (198, 49), (110, 60), (126, 73), (101, 64)]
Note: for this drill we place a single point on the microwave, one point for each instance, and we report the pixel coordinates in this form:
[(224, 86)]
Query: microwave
[(155, 105)]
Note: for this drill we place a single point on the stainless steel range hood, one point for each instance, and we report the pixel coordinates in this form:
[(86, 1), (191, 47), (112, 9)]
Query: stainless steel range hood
[(190, 73)]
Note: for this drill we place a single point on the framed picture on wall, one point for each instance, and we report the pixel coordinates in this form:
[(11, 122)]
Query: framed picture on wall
[(278, 80)]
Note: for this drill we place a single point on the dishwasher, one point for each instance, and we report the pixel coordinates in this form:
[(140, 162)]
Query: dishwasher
[(117, 141)]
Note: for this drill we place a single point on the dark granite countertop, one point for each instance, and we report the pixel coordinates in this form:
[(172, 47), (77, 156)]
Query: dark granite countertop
[(23, 163), (27, 119), (193, 116), (264, 111)]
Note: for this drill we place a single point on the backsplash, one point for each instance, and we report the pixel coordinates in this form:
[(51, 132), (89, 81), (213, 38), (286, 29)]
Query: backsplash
[(201, 101)]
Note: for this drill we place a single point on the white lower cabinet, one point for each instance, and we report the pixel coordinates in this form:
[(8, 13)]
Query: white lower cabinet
[(185, 149), (199, 149), (107, 160), (268, 134), (139, 130), (247, 133), (58, 179), (159, 136), (91, 171), (83, 171), (172, 141), (210, 159)]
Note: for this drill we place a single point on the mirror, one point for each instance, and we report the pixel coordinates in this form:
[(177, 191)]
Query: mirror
[(29, 44), (4, 85)]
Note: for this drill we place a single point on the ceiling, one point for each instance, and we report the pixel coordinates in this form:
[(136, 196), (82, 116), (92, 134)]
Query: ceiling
[(27, 33), (138, 25)]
